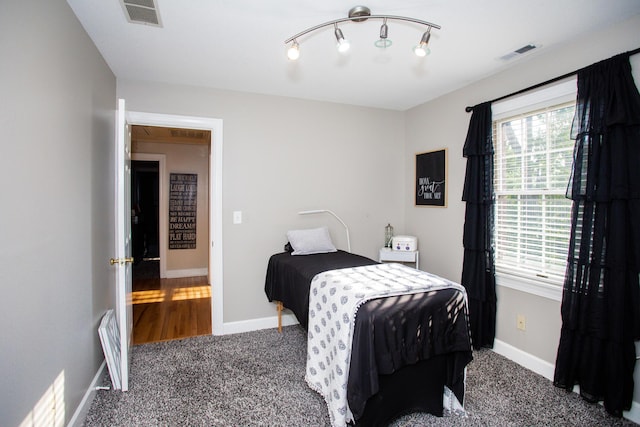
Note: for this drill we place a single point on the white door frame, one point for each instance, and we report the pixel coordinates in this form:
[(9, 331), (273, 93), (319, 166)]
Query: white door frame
[(163, 208), (215, 197)]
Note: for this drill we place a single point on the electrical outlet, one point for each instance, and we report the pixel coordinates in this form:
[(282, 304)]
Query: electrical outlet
[(521, 323)]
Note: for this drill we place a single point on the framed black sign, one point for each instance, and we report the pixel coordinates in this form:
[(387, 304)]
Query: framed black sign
[(183, 196), (431, 178)]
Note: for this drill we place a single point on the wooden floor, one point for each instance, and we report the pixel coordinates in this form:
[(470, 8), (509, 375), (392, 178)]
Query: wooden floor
[(168, 309)]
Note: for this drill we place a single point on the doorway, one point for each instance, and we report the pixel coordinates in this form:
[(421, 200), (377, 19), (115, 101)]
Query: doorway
[(215, 242), (171, 291), (145, 210)]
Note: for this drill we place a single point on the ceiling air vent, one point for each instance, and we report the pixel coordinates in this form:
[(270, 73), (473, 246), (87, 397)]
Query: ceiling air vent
[(518, 52), (141, 12)]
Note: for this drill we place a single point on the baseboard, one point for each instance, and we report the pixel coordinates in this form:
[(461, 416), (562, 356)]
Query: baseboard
[(190, 272), (547, 370), (257, 324), (527, 360), (83, 408), (634, 413)]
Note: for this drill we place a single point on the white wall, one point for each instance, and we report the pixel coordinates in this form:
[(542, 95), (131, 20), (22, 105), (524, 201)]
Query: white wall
[(282, 156), (56, 116), (443, 123)]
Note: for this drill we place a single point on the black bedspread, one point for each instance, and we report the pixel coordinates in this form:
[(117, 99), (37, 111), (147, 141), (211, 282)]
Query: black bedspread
[(398, 333), (289, 277), (405, 348)]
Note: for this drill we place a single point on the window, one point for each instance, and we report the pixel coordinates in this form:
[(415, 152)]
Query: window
[(533, 158)]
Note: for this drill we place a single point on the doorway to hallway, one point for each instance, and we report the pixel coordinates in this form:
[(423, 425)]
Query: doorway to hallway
[(145, 209), (171, 292), (215, 238)]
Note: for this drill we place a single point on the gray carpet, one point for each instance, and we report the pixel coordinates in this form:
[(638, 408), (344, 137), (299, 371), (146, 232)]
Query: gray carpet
[(257, 379)]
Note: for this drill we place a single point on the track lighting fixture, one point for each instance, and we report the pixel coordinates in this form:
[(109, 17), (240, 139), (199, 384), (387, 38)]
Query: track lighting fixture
[(360, 14), (383, 42), (343, 44), (422, 48)]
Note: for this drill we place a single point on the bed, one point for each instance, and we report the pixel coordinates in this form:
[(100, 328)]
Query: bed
[(408, 349)]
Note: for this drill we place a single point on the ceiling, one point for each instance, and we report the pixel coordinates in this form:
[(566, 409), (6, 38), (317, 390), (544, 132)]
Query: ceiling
[(239, 44)]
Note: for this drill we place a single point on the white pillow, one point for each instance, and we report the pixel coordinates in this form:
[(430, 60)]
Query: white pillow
[(310, 241)]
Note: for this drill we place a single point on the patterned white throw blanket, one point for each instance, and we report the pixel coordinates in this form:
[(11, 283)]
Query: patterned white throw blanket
[(334, 299)]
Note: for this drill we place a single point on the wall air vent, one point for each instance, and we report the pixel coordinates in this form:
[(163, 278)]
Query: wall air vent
[(518, 52), (141, 12)]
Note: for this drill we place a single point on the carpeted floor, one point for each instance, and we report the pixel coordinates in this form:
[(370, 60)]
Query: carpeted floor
[(257, 379)]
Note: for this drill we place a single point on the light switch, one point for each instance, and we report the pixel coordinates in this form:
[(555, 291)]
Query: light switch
[(237, 217)]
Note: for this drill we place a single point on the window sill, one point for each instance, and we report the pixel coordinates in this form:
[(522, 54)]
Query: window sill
[(541, 289)]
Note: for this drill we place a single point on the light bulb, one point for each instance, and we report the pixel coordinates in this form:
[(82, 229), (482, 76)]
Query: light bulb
[(383, 43), (421, 50), (343, 46), (293, 52)]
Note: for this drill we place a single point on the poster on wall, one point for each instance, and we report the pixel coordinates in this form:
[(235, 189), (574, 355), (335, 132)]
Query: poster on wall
[(183, 196), (431, 178)]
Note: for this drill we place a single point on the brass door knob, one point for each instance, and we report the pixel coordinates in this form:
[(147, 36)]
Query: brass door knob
[(120, 261)]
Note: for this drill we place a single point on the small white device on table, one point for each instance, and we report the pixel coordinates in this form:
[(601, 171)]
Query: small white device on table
[(403, 249)]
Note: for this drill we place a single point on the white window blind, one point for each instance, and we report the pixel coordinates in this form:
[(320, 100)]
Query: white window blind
[(533, 156)]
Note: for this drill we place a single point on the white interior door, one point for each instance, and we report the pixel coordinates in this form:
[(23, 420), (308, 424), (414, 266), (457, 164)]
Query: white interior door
[(123, 260)]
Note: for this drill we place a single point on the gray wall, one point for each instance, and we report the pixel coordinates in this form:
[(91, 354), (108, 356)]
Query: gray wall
[(443, 123), (284, 155), (56, 116), (280, 156)]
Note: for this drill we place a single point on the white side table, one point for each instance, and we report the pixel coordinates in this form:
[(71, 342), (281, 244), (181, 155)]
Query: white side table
[(389, 255)]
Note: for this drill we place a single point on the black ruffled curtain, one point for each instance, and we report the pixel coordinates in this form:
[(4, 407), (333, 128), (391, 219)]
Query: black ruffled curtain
[(600, 301), (478, 270)]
